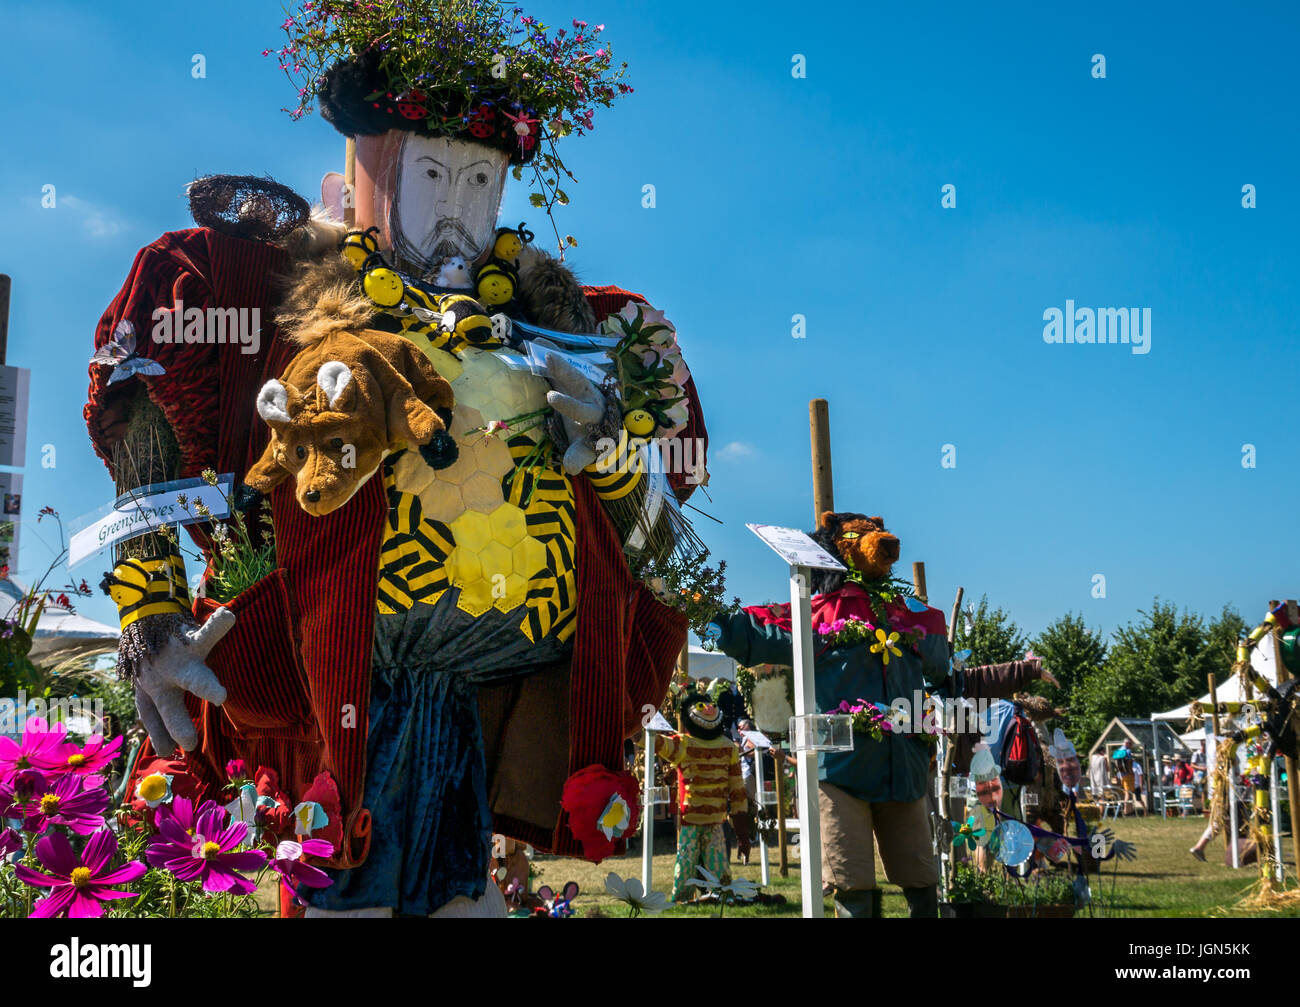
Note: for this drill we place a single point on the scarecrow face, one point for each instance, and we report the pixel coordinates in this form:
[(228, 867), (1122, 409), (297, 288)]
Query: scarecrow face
[(701, 716), (446, 197), (1069, 770), (863, 543)]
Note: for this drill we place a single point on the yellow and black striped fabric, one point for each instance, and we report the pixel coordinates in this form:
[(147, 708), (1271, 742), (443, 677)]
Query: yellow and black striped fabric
[(415, 548), (618, 474), (546, 497), (141, 587)]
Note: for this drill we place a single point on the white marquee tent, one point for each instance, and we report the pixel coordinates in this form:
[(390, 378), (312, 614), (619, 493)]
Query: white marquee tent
[(1229, 690)]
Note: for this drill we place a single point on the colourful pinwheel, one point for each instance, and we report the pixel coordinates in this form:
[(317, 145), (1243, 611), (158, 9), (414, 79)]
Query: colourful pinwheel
[(969, 832)]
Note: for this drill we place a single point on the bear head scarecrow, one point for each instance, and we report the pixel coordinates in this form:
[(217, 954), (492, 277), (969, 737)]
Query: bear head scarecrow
[(877, 649), (432, 453)]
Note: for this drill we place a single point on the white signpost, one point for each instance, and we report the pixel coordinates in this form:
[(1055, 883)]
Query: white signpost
[(803, 554), (761, 744), (656, 723)]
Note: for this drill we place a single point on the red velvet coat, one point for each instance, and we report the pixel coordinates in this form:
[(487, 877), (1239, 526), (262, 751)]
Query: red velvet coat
[(297, 664)]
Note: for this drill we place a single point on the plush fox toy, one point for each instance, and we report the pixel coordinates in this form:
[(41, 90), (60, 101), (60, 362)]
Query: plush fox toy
[(350, 397)]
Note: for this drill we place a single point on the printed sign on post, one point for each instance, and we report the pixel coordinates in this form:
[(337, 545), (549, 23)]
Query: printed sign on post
[(14, 385), (147, 509), (795, 547)]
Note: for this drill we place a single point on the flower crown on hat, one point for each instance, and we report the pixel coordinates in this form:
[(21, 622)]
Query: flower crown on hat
[(475, 70)]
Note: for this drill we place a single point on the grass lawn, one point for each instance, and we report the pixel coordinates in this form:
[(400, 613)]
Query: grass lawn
[(1164, 880)]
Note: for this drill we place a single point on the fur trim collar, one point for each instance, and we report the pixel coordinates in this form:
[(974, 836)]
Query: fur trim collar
[(320, 282)]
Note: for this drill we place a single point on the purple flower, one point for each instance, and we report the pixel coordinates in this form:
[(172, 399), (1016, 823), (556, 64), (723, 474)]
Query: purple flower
[(293, 872), (66, 801), (10, 842), (210, 855), (78, 887), (182, 812)]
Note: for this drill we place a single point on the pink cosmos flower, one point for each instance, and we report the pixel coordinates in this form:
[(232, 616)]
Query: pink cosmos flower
[(182, 812), (78, 888), (293, 872), (37, 748), (66, 801), (211, 855), (10, 842), (86, 761)]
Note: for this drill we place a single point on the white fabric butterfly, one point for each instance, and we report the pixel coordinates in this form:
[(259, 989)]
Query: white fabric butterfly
[(120, 351)]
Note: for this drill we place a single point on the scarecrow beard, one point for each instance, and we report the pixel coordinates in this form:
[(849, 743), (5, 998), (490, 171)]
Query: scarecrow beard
[(445, 199)]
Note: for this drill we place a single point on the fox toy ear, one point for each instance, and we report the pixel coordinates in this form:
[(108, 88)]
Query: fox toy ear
[(276, 403), (830, 519), (334, 377)]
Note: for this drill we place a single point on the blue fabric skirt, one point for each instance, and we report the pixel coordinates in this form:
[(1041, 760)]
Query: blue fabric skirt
[(426, 788)]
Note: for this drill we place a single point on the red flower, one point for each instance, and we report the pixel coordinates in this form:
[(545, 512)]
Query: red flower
[(603, 807)]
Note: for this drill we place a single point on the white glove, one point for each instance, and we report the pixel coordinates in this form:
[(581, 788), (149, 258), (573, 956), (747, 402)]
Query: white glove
[(580, 405), (177, 668)]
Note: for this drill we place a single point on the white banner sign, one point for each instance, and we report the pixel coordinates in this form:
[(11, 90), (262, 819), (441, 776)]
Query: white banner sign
[(148, 509), (795, 547)]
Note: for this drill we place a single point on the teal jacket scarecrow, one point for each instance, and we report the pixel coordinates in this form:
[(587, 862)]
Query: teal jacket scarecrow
[(895, 767)]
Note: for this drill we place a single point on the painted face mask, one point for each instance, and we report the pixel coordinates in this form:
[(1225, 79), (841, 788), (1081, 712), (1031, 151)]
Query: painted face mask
[(989, 792), (435, 198), (1067, 760)]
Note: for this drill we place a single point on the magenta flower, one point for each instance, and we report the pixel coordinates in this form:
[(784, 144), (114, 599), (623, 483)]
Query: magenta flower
[(86, 761), (37, 748), (10, 842), (66, 801), (293, 872), (182, 812), (236, 769), (211, 855), (78, 887)]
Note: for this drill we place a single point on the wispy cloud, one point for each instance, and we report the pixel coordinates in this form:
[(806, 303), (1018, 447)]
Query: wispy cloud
[(736, 450), (98, 221)]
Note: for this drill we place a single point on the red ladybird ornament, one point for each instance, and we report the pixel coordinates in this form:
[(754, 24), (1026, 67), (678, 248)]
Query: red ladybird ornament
[(482, 122), (411, 105)]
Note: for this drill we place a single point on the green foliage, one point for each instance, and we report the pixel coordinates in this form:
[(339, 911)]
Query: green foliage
[(969, 885), (994, 637), (1054, 888), (1159, 660)]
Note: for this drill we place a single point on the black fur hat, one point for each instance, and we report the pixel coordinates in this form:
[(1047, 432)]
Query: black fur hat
[(356, 98)]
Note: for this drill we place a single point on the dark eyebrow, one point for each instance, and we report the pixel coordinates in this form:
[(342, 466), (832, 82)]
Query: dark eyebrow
[(426, 157)]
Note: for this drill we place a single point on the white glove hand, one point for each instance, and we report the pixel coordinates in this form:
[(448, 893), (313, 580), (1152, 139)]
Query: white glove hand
[(580, 405), (177, 668)]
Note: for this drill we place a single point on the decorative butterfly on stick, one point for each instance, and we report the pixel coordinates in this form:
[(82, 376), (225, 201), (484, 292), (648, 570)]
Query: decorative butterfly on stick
[(120, 353)]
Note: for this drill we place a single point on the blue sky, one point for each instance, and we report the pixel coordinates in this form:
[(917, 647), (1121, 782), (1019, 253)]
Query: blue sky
[(819, 196)]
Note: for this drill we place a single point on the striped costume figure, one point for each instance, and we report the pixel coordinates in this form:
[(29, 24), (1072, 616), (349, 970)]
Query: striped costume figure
[(708, 765)]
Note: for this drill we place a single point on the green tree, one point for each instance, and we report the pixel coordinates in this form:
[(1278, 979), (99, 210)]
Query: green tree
[(1221, 638), (1157, 661), (993, 636), (1070, 651)]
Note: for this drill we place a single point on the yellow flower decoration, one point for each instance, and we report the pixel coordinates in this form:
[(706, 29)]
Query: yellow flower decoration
[(884, 645)]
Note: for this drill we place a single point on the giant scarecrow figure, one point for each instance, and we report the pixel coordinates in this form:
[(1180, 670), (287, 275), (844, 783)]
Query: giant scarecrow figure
[(452, 641)]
